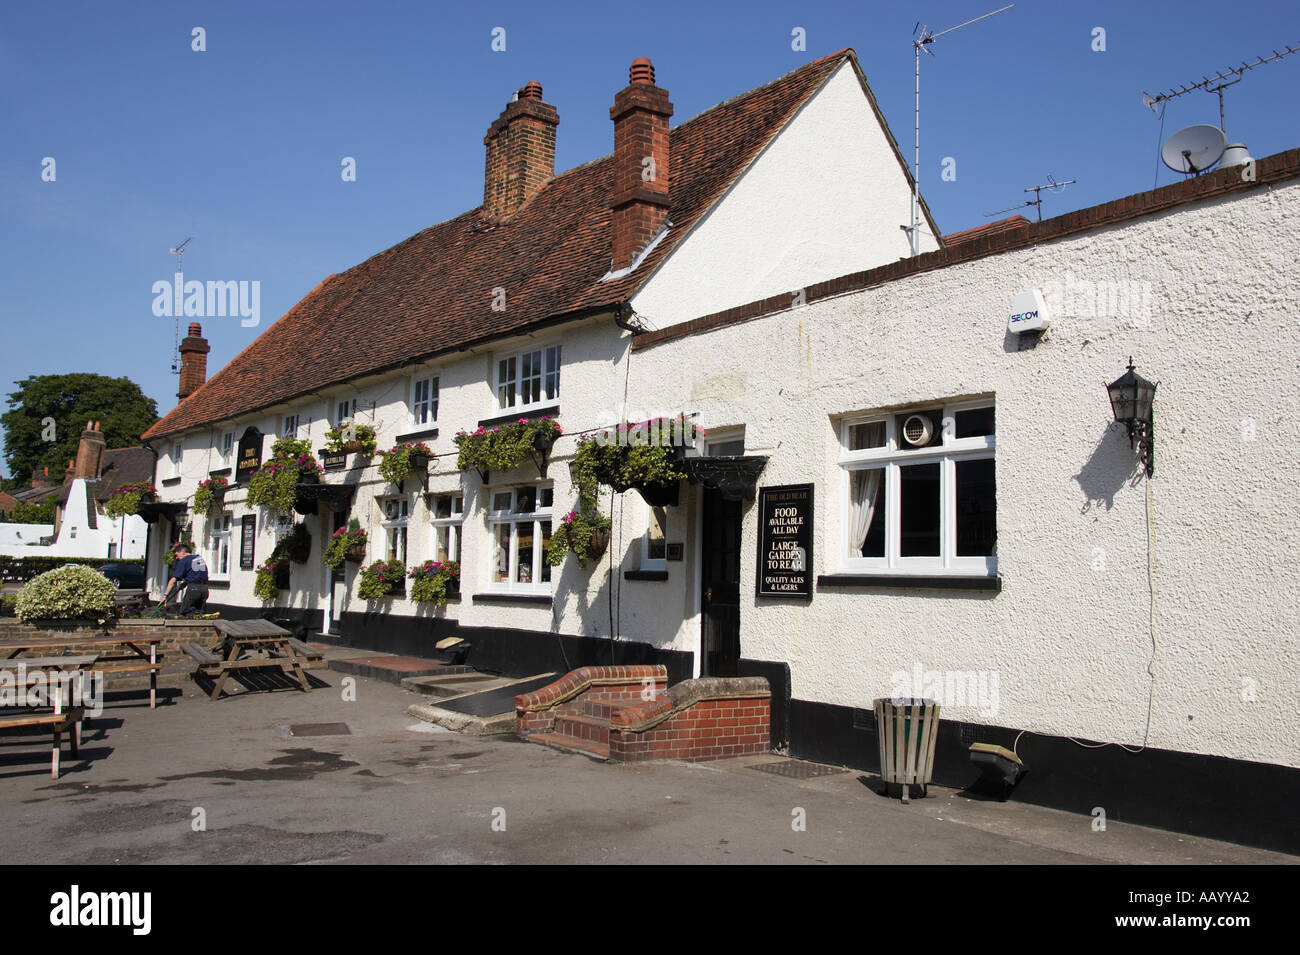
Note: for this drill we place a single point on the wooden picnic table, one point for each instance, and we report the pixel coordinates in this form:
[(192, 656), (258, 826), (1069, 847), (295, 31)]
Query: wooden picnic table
[(64, 715), (138, 653), (250, 636)]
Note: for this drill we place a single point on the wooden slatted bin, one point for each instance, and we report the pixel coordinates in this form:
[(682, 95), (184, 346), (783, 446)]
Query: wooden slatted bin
[(906, 731)]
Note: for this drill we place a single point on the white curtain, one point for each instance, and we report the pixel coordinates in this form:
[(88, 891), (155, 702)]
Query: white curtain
[(864, 488)]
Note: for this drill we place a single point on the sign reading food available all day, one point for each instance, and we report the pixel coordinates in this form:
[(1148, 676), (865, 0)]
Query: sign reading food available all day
[(785, 543)]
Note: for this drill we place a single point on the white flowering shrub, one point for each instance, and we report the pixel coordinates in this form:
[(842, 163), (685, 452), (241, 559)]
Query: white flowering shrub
[(69, 592)]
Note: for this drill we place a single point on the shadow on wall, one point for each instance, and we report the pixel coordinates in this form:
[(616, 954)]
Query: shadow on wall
[(1113, 464)]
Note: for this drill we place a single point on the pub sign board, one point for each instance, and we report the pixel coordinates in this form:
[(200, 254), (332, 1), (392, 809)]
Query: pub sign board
[(247, 537), (250, 455), (785, 541)]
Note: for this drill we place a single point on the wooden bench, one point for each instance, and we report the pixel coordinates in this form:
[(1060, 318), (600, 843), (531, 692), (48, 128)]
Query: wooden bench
[(58, 723), (200, 653), (308, 653)]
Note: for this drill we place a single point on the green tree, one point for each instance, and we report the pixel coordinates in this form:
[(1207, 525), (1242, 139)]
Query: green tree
[(42, 513), (57, 407)]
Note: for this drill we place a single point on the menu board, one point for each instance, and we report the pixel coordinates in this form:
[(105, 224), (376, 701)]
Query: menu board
[(785, 541), (247, 535)]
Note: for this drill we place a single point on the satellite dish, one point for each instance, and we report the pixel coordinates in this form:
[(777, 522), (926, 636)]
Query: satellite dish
[(1194, 149)]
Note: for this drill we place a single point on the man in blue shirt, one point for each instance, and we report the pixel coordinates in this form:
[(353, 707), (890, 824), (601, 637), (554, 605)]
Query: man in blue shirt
[(191, 571)]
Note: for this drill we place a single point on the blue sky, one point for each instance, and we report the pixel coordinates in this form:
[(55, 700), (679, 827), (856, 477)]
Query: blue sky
[(240, 146)]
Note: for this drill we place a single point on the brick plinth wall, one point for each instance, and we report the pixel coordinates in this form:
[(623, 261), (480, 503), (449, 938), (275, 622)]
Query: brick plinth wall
[(696, 720), (538, 711)]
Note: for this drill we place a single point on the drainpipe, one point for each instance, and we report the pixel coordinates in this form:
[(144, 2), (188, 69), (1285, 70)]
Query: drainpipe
[(148, 528)]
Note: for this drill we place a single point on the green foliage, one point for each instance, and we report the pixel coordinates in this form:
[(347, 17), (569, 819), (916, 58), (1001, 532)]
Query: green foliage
[(275, 484), (504, 447), (430, 581), (74, 592), (265, 586), (8, 603), (122, 410), (126, 499), (335, 552), (575, 530), (380, 579), (395, 463), (206, 494), (42, 513), (336, 439)]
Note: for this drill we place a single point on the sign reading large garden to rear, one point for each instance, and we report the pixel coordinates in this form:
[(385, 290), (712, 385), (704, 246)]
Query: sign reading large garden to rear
[(785, 543)]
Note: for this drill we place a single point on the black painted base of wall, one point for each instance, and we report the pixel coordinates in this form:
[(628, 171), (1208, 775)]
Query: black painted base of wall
[(778, 678), (1235, 800), (311, 619)]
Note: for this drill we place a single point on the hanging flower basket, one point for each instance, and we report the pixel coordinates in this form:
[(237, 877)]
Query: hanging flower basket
[(432, 581), (275, 483), (659, 495), (383, 578), (349, 438), (348, 543), (506, 446), (126, 500), (598, 543), (209, 494), (295, 547), (401, 459), (356, 553)]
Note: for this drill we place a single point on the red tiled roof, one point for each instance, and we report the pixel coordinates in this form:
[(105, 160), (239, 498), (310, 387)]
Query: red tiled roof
[(991, 228), (433, 292)]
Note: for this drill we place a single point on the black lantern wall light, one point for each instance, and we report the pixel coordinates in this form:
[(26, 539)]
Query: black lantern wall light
[(1131, 398)]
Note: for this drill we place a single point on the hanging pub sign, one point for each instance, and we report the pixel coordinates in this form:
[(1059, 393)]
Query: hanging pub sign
[(785, 542), (250, 455)]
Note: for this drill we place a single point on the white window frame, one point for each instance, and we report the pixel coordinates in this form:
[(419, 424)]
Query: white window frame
[(548, 377), (227, 448), (218, 543), (178, 452), (715, 438), (539, 516), (424, 410), (891, 458), (396, 529), (648, 562), (454, 526), (289, 426), (340, 416)]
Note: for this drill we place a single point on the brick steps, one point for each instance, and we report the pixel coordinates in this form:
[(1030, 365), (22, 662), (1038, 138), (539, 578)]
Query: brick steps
[(592, 729), (567, 744)]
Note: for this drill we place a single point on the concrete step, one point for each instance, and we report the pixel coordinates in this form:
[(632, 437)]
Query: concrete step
[(444, 686), (567, 744), (587, 729), (392, 668)]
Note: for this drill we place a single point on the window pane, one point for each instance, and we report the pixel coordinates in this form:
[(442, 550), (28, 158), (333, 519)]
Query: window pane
[(974, 423), (863, 436), (444, 543), (546, 540), (501, 569), (552, 372), (433, 400), (524, 566), (919, 511), (867, 513), (545, 497), (442, 506), (457, 504), (977, 527), (501, 501), (525, 498)]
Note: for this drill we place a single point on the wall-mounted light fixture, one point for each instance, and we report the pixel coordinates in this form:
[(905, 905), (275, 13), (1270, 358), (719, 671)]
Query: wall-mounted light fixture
[(1131, 398)]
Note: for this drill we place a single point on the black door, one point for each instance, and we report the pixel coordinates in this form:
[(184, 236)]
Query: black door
[(720, 578)]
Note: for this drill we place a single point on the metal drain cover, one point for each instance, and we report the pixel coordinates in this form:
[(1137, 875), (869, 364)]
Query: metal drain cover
[(320, 729), (797, 769)]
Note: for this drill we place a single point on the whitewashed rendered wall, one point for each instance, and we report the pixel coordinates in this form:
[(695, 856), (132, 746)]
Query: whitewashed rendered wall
[(126, 532), (826, 198), (593, 372), (1068, 634)]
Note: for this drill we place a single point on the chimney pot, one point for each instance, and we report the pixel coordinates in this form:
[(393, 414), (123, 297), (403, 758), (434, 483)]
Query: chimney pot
[(641, 71), (532, 90), (196, 330)]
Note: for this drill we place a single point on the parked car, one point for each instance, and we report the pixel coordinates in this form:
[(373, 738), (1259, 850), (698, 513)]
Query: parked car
[(130, 576)]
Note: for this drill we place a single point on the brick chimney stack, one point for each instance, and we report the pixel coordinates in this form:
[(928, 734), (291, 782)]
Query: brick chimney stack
[(194, 361), (640, 194), (90, 451), (520, 151), (42, 479), (70, 473)]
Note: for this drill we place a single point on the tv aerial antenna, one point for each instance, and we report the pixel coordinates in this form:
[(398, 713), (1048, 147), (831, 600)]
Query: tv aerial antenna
[(179, 252), (923, 36), (1051, 185), (1216, 83)]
